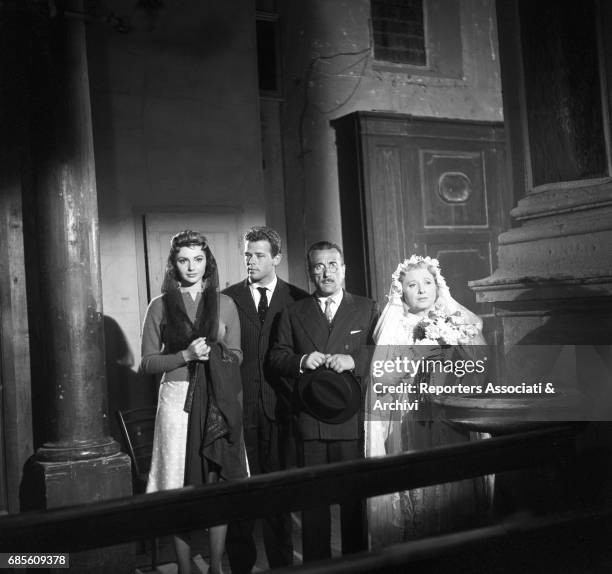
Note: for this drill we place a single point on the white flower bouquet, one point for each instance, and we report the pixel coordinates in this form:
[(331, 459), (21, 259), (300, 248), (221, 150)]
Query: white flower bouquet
[(441, 328)]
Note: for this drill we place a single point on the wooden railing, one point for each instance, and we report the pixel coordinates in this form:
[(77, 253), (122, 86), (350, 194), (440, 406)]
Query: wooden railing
[(141, 517), (573, 543)]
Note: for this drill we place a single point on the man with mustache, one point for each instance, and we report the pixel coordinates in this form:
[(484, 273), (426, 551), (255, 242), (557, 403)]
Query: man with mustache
[(329, 330), (267, 413)]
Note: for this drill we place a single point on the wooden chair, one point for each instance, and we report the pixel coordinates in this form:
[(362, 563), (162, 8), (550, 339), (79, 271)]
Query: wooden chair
[(137, 428)]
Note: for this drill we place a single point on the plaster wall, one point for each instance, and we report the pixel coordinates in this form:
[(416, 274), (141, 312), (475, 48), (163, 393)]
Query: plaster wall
[(329, 71), (176, 127)]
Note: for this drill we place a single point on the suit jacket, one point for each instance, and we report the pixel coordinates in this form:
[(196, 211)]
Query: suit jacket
[(255, 340), (302, 329)]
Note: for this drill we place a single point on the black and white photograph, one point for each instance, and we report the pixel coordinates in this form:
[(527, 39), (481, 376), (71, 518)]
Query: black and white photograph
[(306, 286)]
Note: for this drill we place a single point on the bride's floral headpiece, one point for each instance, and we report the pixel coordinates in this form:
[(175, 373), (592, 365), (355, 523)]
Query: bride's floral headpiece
[(413, 261), (433, 265)]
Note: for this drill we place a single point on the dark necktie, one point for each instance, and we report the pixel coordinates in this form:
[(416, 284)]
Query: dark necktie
[(262, 308)]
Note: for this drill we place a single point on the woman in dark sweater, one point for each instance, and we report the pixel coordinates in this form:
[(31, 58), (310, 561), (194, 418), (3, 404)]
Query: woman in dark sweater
[(191, 334)]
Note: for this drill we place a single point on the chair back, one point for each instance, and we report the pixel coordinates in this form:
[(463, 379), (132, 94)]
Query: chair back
[(137, 427)]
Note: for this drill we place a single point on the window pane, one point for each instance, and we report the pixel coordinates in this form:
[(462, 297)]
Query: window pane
[(266, 56), (399, 32)]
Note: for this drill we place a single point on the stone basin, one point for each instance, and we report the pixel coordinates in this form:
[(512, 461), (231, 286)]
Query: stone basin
[(503, 415)]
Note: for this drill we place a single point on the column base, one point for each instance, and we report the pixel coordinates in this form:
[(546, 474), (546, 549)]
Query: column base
[(553, 293), (78, 450), (553, 284), (549, 311), (49, 485)]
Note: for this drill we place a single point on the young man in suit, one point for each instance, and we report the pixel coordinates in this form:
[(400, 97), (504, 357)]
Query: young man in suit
[(329, 329), (266, 402)]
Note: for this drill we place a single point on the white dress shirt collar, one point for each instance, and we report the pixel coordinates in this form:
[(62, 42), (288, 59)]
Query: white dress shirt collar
[(336, 298), (257, 295)]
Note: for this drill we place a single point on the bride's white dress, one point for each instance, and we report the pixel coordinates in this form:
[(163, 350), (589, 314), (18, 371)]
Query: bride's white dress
[(383, 429), (406, 515)]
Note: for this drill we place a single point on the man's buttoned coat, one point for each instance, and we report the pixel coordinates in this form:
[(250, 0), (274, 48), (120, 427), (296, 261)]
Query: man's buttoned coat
[(302, 329), (255, 340)]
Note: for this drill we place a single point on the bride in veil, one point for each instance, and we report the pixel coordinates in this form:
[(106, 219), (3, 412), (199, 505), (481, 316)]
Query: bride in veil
[(418, 292)]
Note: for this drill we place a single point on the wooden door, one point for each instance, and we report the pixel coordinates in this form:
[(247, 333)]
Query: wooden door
[(427, 186), (222, 228)]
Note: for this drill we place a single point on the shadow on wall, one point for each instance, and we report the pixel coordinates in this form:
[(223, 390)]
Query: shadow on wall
[(573, 348), (584, 318), (126, 387), (573, 342)]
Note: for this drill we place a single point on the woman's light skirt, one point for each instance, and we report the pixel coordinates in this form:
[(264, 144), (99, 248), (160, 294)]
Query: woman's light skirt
[(170, 439)]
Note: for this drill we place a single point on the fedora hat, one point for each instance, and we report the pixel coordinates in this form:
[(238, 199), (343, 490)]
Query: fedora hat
[(329, 396)]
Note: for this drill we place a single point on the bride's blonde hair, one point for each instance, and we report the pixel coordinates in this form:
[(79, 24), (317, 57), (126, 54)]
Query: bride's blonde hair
[(418, 262)]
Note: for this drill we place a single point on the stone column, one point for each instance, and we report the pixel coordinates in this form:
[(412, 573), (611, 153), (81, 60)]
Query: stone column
[(553, 285), (78, 461)]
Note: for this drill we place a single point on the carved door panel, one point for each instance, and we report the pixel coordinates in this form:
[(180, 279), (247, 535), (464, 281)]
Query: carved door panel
[(427, 186)]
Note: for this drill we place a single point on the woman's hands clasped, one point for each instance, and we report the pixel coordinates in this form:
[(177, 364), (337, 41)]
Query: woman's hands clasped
[(198, 350)]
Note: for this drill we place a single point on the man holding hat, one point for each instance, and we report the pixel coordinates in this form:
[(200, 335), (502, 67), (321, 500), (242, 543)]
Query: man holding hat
[(321, 344)]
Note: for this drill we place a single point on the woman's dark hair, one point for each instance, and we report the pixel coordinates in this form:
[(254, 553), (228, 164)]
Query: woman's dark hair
[(207, 321), (189, 238)]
